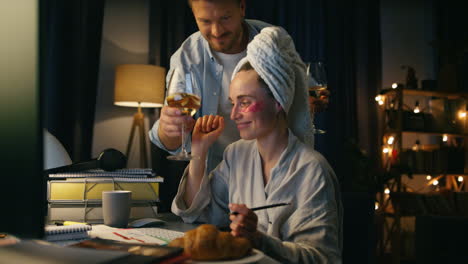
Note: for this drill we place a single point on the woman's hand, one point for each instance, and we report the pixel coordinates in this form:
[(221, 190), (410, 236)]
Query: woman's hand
[(244, 224), (206, 131)]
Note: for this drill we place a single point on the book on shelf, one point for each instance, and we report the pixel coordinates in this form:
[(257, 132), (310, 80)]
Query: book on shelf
[(69, 232)]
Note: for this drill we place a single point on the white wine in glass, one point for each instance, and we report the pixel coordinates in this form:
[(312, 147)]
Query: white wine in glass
[(189, 104), (315, 90), (317, 82)]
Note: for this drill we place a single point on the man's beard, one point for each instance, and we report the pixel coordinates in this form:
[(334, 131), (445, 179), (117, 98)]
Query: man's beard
[(228, 44)]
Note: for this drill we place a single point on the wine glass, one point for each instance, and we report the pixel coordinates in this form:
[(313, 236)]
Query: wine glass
[(188, 103), (316, 82)]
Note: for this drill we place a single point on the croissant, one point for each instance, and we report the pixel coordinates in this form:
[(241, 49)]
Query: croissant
[(207, 243)]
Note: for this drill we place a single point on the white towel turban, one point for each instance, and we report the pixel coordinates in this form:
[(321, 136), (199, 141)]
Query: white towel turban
[(274, 57)]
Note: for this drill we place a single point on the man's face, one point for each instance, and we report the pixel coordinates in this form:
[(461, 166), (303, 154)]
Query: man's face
[(253, 110), (220, 23)]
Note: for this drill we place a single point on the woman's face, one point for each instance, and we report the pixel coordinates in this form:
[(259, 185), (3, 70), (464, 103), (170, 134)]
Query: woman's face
[(253, 110)]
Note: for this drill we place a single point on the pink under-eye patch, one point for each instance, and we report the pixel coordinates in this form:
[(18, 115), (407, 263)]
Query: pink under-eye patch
[(253, 108)]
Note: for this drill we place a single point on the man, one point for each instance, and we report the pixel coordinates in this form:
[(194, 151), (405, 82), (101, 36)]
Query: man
[(209, 57)]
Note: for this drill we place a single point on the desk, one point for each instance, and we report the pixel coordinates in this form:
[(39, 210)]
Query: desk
[(175, 223)]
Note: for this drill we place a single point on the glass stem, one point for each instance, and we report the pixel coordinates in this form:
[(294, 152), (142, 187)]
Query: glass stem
[(184, 150)]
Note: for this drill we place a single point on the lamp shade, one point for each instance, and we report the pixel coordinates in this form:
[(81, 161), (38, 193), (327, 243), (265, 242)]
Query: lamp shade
[(139, 85)]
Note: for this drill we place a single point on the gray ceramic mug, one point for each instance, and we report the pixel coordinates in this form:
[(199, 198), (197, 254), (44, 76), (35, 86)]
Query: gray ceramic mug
[(116, 207)]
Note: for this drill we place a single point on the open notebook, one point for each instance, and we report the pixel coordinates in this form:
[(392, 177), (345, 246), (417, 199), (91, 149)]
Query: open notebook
[(152, 235)]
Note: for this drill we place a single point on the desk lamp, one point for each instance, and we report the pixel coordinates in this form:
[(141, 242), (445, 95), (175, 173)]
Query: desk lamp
[(139, 85)]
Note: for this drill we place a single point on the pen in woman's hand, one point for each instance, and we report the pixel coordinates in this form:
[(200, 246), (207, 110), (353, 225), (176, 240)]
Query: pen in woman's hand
[(263, 207)]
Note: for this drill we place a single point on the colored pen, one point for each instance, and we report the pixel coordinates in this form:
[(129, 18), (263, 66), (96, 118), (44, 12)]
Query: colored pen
[(66, 223), (263, 207)]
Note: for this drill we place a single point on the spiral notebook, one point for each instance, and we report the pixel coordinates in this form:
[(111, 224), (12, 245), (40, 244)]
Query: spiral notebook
[(95, 173), (70, 232)]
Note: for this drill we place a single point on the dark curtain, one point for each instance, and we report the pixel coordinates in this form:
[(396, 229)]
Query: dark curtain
[(451, 45), (352, 140), (354, 61), (70, 71), (304, 20)]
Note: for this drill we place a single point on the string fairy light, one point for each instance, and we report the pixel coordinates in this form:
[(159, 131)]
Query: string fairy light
[(416, 108), (386, 150), (445, 138), (380, 99), (461, 114)]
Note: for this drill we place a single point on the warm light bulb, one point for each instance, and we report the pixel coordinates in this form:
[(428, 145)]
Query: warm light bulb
[(381, 102), (435, 182), (378, 98), (460, 178), (394, 85), (428, 177), (387, 191), (390, 140), (376, 205), (386, 150), (462, 114), (416, 108), (444, 138)]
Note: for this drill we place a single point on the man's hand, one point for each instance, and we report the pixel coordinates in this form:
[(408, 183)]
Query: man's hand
[(245, 223), (170, 126), (319, 104), (206, 131)]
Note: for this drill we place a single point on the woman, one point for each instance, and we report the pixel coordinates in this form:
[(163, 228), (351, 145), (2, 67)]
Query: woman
[(270, 164)]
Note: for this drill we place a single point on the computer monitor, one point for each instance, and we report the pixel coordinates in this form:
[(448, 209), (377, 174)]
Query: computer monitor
[(22, 184)]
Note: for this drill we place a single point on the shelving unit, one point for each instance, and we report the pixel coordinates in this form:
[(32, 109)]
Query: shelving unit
[(446, 132)]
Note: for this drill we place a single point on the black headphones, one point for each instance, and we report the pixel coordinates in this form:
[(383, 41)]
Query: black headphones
[(108, 160)]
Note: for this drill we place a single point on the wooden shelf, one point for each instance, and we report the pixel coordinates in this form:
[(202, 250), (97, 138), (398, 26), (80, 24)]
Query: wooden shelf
[(434, 133), (447, 95), (435, 94), (394, 112), (394, 131), (438, 173)]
